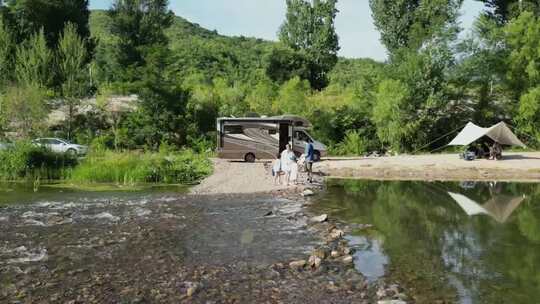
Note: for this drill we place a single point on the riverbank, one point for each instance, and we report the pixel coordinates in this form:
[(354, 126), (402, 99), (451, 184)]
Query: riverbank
[(522, 166)]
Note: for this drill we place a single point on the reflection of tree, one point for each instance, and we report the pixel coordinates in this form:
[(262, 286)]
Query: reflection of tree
[(426, 235)]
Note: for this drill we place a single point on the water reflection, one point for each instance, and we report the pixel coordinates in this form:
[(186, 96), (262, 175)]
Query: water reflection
[(456, 242)]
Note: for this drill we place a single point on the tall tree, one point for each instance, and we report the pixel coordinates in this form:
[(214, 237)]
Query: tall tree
[(409, 23), (139, 26), (504, 10), (34, 61), (26, 17), (309, 27), (523, 38), (6, 53), (73, 69)]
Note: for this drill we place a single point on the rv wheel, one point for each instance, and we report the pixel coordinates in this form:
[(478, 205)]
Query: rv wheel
[(250, 158)]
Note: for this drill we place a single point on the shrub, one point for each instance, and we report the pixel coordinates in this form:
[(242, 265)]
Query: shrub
[(128, 168), (25, 160), (353, 144)]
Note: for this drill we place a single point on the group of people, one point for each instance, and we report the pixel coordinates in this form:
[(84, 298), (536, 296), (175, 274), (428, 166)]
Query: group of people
[(286, 164), (486, 150)]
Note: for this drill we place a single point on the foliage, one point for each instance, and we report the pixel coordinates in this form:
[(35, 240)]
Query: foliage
[(26, 18), (24, 109), (128, 168), (292, 97), (523, 36), (504, 10), (6, 53), (309, 28), (389, 113), (139, 27), (409, 23), (354, 143), (25, 160), (33, 61), (72, 68)]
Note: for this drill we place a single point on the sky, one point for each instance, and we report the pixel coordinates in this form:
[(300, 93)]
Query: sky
[(261, 18)]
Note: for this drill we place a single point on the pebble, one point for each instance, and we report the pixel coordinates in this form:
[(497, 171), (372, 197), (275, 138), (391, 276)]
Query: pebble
[(336, 234), (391, 302), (308, 192), (297, 264), (314, 261), (334, 253), (319, 219), (348, 259)]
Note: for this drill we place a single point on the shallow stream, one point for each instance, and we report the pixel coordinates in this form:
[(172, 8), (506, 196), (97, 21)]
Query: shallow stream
[(447, 242)]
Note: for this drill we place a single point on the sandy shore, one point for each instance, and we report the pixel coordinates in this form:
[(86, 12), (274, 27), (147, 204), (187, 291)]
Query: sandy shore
[(513, 167), (235, 177)]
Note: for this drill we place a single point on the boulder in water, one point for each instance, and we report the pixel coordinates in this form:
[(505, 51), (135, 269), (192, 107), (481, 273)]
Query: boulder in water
[(319, 219)]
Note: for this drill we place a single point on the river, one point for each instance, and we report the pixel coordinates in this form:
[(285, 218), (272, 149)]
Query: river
[(447, 242)]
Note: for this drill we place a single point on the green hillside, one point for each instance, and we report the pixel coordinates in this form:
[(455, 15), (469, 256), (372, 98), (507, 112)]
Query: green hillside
[(198, 50)]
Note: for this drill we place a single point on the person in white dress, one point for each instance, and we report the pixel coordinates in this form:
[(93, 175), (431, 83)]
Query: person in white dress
[(288, 164)]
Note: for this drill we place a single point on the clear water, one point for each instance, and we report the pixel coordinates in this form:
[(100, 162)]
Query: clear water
[(447, 242)]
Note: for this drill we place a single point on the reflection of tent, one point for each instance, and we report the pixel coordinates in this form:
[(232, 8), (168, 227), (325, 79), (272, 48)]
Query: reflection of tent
[(499, 133), (499, 206)]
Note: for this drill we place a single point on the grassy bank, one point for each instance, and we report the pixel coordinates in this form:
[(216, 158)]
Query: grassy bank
[(25, 162), (129, 168)]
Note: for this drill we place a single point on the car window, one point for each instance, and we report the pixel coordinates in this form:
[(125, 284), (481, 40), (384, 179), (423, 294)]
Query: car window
[(54, 142)]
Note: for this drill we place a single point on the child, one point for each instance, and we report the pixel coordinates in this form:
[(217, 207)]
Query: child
[(276, 170)]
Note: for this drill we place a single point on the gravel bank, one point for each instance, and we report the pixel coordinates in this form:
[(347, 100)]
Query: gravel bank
[(513, 167)]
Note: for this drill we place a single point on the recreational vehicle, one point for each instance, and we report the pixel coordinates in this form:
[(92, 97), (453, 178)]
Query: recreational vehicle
[(250, 138)]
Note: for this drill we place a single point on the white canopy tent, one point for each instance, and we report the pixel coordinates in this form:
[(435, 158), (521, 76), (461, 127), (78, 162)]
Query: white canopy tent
[(499, 133)]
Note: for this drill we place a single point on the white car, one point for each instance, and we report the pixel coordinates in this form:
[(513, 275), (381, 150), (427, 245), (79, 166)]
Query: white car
[(58, 145)]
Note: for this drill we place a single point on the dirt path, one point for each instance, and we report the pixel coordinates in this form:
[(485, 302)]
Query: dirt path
[(231, 177), (513, 167)]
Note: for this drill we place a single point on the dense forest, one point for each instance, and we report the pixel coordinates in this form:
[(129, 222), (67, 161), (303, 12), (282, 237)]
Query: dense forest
[(55, 54)]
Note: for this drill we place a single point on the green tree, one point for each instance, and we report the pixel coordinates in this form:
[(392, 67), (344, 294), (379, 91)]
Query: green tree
[(6, 54), (73, 70), (27, 17), (283, 63), (24, 109), (309, 27), (389, 114), (292, 98), (139, 26), (34, 62), (261, 97), (409, 23), (504, 10), (528, 118)]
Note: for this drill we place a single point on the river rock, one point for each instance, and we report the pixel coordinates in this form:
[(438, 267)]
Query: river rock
[(314, 261), (347, 259), (321, 252), (297, 264), (308, 192), (334, 253), (319, 219), (336, 234), (391, 302)]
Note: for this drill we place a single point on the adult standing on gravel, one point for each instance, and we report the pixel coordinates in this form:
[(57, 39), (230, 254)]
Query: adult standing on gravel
[(310, 155), (287, 160)]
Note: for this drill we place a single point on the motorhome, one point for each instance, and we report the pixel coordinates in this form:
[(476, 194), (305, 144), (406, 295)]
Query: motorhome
[(251, 138)]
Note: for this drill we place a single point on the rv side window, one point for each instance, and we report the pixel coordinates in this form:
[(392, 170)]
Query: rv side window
[(234, 130)]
